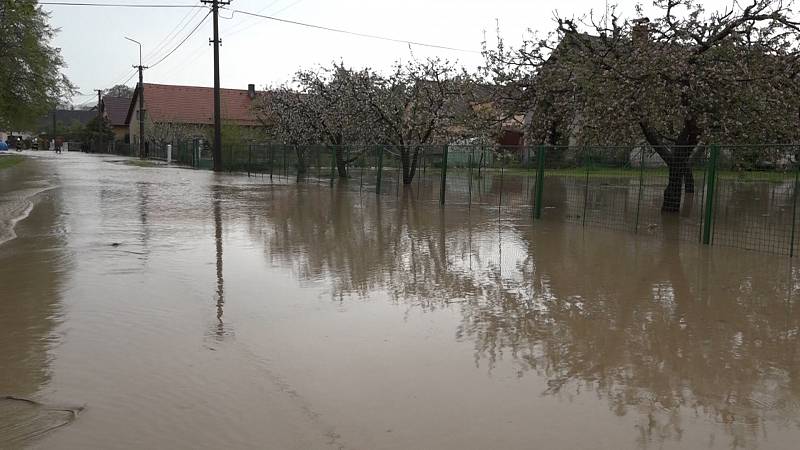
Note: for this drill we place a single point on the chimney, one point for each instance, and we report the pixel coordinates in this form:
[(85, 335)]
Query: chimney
[(640, 31), (251, 91)]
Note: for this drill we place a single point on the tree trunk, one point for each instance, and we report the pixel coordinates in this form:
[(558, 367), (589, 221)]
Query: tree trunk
[(681, 179), (341, 163), (301, 160), (405, 161), (409, 164), (688, 178), (672, 194), (341, 167), (413, 169), (682, 158), (678, 159)]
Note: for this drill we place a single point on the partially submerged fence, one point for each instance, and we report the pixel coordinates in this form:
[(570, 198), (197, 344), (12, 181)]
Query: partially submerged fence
[(743, 197)]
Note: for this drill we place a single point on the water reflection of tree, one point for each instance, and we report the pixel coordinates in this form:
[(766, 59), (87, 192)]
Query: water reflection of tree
[(658, 329), (657, 342), (363, 246)]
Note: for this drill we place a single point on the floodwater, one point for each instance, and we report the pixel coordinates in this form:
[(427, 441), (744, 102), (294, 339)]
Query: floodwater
[(171, 308)]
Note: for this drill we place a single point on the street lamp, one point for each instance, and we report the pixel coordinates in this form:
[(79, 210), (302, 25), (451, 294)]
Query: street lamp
[(140, 48), (141, 99)]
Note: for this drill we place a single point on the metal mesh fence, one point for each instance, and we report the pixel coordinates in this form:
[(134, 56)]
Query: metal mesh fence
[(734, 196)]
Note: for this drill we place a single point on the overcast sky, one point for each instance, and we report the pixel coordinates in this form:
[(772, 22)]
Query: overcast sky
[(266, 52)]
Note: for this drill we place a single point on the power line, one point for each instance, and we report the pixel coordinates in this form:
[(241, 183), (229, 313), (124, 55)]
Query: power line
[(117, 82), (120, 5), (262, 16), (247, 25), (236, 29), (173, 34), (170, 36), (243, 26), (126, 81), (183, 63), (182, 42), (287, 7), (353, 33), (125, 75), (182, 24), (86, 102)]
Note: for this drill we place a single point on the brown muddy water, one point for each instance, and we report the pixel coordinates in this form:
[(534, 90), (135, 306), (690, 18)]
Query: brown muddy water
[(171, 308)]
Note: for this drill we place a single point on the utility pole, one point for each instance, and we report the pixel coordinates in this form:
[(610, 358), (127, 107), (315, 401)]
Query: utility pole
[(99, 121), (142, 154), (140, 91), (216, 42)]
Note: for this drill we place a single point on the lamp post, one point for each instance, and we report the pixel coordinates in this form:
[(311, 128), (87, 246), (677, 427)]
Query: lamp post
[(140, 90)]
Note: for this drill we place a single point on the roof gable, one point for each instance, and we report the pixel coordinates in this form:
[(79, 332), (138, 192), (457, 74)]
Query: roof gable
[(116, 109)]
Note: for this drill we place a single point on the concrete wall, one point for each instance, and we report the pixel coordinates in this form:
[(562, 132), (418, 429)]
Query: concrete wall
[(133, 126)]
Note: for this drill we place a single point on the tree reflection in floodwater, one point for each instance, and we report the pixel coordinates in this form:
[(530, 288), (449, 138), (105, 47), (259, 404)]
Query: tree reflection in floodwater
[(662, 330)]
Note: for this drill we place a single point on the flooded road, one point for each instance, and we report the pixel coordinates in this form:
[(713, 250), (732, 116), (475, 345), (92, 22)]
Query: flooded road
[(185, 309)]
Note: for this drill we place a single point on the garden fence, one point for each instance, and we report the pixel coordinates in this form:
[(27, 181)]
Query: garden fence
[(737, 196)]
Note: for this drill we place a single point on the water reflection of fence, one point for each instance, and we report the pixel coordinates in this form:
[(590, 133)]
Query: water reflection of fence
[(742, 197)]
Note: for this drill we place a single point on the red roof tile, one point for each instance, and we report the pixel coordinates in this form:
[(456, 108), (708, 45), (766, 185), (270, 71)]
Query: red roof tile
[(195, 105)]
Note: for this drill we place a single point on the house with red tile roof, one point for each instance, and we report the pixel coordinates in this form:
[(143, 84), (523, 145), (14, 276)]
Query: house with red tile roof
[(191, 106)]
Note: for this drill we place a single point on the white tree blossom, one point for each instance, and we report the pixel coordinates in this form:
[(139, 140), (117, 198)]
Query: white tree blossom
[(684, 78)]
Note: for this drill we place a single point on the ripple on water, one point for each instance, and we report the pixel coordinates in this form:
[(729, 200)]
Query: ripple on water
[(16, 206), (23, 420)]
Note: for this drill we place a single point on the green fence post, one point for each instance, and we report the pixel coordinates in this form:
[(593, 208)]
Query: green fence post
[(500, 197), (537, 206), (711, 183), (361, 177), (469, 174), (319, 163), (641, 186), (527, 165), (380, 170), (285, 162), (333, 164), (588, 160), (444, 175), (480, 167), (794, 209), (397, 185), (271, 161)]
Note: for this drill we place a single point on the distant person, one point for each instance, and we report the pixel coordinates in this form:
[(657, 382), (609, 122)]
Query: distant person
[(52, 145), (3, 146), (59, 144)]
